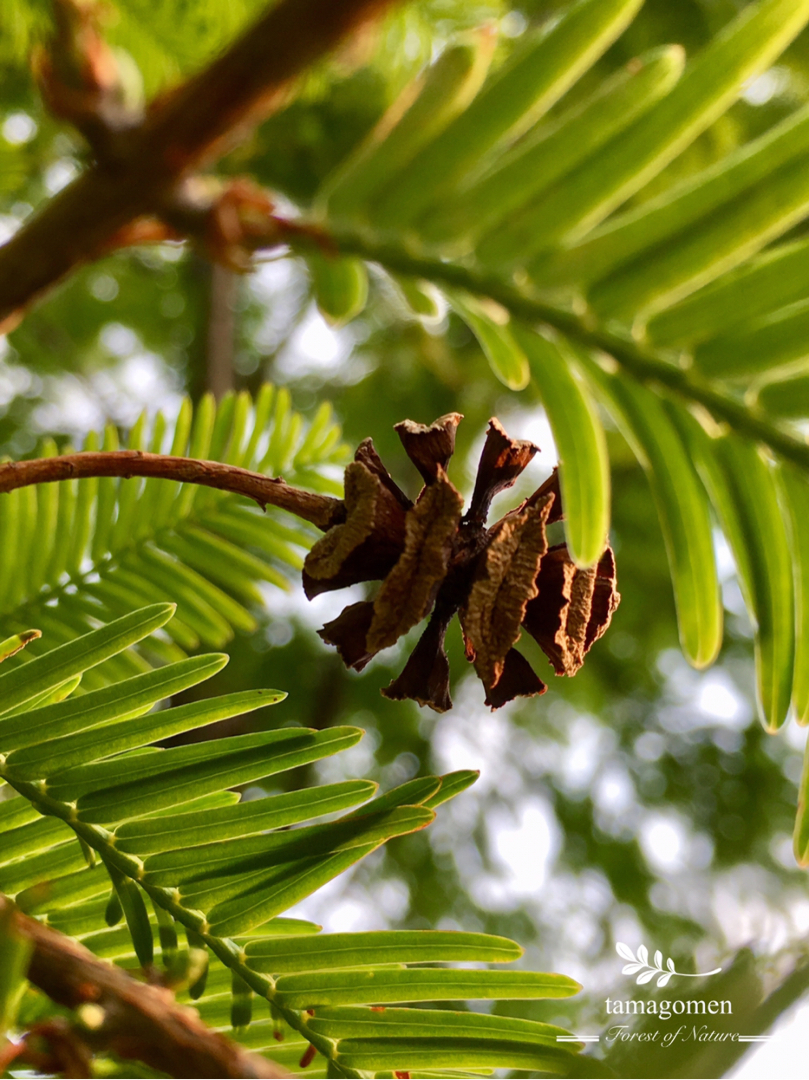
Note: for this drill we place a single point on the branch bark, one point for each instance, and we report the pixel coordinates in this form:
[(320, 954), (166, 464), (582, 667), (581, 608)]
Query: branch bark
[(137, 1021), (321, 510), (192, 125), (221, 330)]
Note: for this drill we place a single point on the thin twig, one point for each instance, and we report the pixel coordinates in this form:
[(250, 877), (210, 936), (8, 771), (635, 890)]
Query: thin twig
[(191, 125), (322, 511), (134, 1020)]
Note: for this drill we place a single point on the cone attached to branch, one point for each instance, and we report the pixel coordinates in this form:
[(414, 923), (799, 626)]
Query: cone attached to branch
[(434, 560)]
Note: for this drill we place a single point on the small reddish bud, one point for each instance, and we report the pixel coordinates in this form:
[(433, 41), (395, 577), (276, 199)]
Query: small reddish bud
[(308, 1057)]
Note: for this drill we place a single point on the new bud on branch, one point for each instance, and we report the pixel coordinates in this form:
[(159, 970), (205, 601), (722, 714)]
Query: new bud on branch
[(435, 560)]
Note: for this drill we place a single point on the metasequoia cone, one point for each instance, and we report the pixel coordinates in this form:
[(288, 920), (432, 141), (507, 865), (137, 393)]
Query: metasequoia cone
[(433, 559)]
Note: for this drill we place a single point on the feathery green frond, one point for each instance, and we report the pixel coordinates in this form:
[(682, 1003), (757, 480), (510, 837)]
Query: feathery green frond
[(172, 847), (134, 542)]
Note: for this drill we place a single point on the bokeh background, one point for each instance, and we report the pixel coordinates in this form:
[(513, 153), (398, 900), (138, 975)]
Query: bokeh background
[(640, 802)]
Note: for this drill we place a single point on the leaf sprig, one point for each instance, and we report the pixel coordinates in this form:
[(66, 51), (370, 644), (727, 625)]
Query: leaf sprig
[(640, 963)]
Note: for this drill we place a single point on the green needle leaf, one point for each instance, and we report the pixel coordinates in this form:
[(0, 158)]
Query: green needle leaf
[(490, 325), (682, 506), (743, 490), (365, 986), (47, 671), (584, 471), (375, 948)]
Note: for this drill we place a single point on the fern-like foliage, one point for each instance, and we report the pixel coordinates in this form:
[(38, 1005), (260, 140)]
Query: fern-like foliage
[(164, 844), (682, 315), (84, 551)]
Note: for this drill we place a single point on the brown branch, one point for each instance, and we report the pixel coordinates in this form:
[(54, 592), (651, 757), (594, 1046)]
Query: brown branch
[(321, 510), (191, 125), (136, 1021), (221, 330)]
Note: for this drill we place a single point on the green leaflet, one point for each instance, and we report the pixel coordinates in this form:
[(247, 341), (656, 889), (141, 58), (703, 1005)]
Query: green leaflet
[(9, 520), (794, 491), (137, 918), (363, 986), (421, 297), (800, 837), (127, 590), (193, 606), (352, 1022), (445, 89), (58, 754), (420, 791), (321, 437), (554, 148), (105, 503), (416, 1054), (214, 1011), (269, 865), (713, 246), (48, 697), (47, 671), (29, 839), (167, 934), (490, 325), (15, 812), (784, 397), (123, 699), (584, 471), (536, 76), (274, 812), (235, 569), (452, 784), (80, 528), (743, 491), (81, 919), (128, 787), (240, 914), (768, 343), (683, 509), (243, 528), (205, 862), (47, 499), (667, 217), (17, 642), (710, 83), (214, 801), (113, 912), (340, 286), (114, 944), (768, 282), (241, 1009), (374, 948), (284, 927), (193, 589), (64, 859), (52, 893)]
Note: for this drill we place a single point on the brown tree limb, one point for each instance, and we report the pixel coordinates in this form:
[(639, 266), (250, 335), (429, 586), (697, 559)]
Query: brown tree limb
[(321, 510), (191, 125), (221, 330), (134, 1020)]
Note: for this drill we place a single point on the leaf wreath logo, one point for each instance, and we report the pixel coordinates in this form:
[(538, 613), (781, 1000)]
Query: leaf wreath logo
[(640, 963)]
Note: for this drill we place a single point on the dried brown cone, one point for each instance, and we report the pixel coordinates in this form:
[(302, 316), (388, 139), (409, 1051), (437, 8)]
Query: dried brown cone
[(432, 558)]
